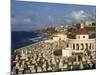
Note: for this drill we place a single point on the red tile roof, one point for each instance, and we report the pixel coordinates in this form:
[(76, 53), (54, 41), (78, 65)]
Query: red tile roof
[(81, 31)]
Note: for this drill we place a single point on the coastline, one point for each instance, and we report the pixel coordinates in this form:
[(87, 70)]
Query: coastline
[(40, 37), (48, 55)]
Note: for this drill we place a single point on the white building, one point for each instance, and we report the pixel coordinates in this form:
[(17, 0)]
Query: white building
[(57, 37), (89, 23), (80, 44), (82, 41)]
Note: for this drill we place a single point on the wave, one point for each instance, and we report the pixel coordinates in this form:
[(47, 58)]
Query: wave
[(21, 39), (39, 38)]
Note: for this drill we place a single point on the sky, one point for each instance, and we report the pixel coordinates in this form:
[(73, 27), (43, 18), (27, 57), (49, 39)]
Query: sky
[(28, 16)]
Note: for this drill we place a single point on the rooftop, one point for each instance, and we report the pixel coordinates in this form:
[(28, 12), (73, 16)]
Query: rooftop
[(81, 30)]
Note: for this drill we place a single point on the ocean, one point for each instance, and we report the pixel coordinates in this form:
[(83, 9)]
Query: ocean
[(21, 38)]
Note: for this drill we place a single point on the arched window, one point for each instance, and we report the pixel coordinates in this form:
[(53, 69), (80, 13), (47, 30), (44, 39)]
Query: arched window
[(90, 46), (83, 36), (67, 45), (59, 38), (73, 46), (77, 46), (82, 46), (86, 46), (79, 37)]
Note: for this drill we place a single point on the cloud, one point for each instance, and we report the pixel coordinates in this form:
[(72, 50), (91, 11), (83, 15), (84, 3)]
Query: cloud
[(27, 20), (51, 18), (77, 16), (13, 20)]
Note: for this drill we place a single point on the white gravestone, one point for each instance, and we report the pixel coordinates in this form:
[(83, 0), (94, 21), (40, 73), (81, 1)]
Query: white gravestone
[(67, 52)]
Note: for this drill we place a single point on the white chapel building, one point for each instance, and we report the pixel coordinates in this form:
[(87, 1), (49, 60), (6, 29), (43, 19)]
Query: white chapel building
[(82, 41)]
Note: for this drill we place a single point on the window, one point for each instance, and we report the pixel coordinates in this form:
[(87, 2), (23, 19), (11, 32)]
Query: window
[(73, 46), (78, 36), (82, 46), (83, 36), (67, 45)]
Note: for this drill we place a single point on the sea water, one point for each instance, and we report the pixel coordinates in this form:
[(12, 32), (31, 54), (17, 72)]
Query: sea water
[(22, 38)]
